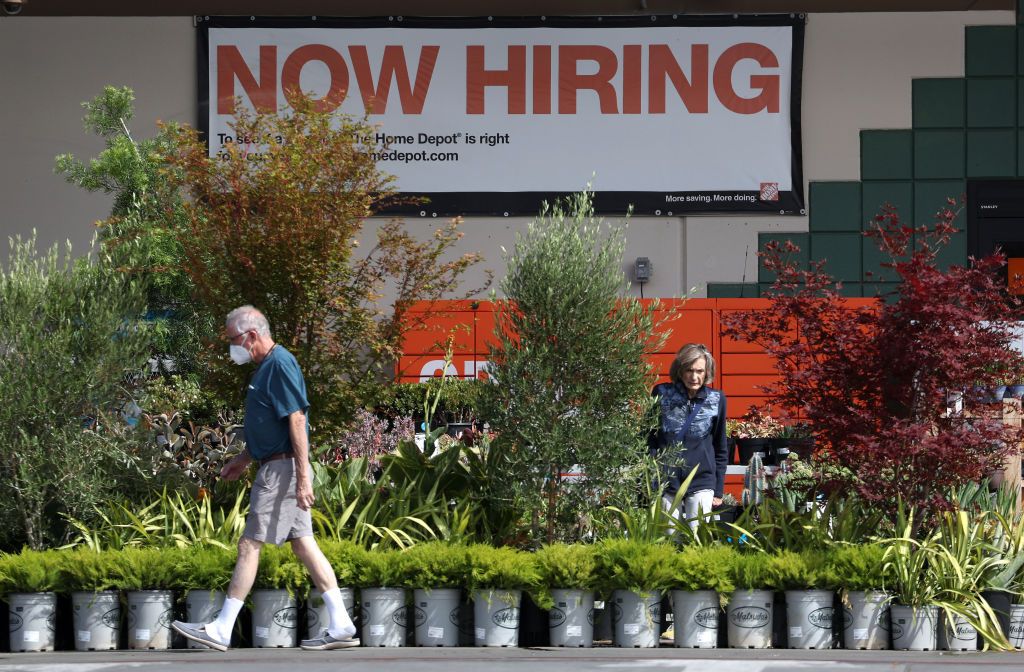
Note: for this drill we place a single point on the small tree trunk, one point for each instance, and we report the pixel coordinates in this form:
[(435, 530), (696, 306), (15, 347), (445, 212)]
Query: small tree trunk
[(553, 484)]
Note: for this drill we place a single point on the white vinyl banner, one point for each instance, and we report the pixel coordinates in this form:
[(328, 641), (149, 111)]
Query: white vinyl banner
[(691, 118)]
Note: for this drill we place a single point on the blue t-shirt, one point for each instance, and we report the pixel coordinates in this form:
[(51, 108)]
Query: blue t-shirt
[(277, 390)]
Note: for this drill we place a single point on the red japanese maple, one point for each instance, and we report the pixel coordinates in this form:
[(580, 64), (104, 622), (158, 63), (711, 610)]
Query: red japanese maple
[(874, 381)]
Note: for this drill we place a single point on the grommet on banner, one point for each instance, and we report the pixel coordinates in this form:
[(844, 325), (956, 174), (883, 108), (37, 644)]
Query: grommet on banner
[(433, 214), (505, 214), (669, 213), (657, 212), (423, 213), (401, 18)]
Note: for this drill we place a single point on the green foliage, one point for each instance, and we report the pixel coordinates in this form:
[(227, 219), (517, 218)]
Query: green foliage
[(647, 521), (434, 564), (193, 455), (625, 564), (569, 566), (280, 569), (859, 566), (502, 568), (30, 572), (909, 560), (68, 335), (804, 570), (704, 568), (87, 570), (147, 568), (753, 571), (280, 232), (204, 568), (458, 399), (572, 388), (346, 557), (141, 233), (382, 569)]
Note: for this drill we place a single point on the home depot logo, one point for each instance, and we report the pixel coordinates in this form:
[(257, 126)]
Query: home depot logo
[(769, 191)]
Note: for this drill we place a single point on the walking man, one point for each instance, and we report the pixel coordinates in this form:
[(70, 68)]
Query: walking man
[(277, 438)]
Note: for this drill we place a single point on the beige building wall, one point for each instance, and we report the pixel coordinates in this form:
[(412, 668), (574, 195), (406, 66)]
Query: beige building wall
[(857, 74)]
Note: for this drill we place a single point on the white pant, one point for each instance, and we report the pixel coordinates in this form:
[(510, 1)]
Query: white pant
[(694, 504)]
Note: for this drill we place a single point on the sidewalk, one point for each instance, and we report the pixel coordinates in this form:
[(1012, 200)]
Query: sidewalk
[(511, 660)]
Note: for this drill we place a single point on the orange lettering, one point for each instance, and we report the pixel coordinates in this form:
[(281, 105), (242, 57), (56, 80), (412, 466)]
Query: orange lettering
[(693, 92), (478, 78), (631, 79), (393, 66), (542, 80), (569, 82), (231, 65), (290, 75), (768, 85)]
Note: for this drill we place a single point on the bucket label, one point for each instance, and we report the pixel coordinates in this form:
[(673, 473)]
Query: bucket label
[(556, 617), (377, 630), (631, 628), (435, 633), (860, 633), (15, 622), (400, 616), (111, 618), (31, 636), (574, 631), (287, 618), (142, 635), (821, 618), (507, 618), (481, 633), (707, 618), (420, 617), (1017, 629), (964, 630), (261, 632), (84, 635), (749, 617), (796, 632)]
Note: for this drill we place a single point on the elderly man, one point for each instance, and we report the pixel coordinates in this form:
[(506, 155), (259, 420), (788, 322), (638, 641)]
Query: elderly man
[(276, 436)]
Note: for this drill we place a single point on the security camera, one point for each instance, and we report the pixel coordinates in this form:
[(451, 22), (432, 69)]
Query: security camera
[(13, 7)]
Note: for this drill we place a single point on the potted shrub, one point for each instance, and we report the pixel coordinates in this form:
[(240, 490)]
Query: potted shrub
[(28, 581), (753, 434), (861, 576), (702, 581), (637, 573), (275, 609), (436, 571), (497, 579), (92, 578), (568, 574), (203, 574), (384, 612), (148, 574), (809, 584), (749, 612)]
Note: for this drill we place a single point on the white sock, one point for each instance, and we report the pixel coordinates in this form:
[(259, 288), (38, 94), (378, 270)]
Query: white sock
[(341, 625), (221, 628)]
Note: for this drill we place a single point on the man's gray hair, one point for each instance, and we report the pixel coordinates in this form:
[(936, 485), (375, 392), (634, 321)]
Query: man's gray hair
[(688, 354), (248, 318)]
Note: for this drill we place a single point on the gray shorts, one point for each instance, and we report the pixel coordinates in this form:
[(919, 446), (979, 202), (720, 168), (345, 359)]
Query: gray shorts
[(274, 514)]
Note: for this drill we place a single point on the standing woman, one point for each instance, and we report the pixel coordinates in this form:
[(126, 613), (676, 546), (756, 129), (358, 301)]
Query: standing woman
[(691, 434)]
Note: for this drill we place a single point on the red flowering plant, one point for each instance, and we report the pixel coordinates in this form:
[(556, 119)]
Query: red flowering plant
[(873, 380), (369, 437)]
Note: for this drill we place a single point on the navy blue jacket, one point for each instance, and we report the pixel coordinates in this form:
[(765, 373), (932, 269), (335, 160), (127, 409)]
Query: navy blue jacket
[(704, 445)]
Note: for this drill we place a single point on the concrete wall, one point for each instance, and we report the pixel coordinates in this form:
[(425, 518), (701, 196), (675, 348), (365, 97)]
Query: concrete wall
[(857, 74)]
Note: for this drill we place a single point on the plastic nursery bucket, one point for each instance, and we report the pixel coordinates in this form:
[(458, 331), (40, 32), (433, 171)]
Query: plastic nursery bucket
[(436, 615), (97, 620), (636, 619), (275, 619), (318, 618), (202, 606), (33, 618), (914, 629), (866, 620), (749, 615), (956, 634), (696, 619), (384, 616), (496, 617), (1016, 633), (571, 620), (149, 619), (809, 619)]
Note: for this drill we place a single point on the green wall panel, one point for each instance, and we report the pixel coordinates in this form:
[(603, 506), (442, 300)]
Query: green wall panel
[(938, 154), (732, 290), (886, 155), (850, 289), (801, 257), (841, 253), (873, 258), (990, 50), (876, 194), (991, 102), (953, 253), (835, 206), (1020, 154), (939, 103), (991, 153), (930, 197)]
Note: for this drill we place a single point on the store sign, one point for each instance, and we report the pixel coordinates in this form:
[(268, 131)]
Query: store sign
[(667, 114)]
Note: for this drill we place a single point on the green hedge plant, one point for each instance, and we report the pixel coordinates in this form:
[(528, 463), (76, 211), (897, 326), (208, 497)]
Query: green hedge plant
[(30, 572), (434, 564), (204, 568), (346, 557), (859, 567), (280, 569), (501, 568), (84, 569), (381, 569), (624, 564), (804, 570), (704, 568)]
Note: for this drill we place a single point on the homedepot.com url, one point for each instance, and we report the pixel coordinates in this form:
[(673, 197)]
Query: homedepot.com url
[(410, 157)]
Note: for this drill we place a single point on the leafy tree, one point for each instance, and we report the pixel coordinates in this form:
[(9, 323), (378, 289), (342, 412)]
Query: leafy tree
[(274, 220), (874, 381), (572, 388), (140, 235), (69, 331)]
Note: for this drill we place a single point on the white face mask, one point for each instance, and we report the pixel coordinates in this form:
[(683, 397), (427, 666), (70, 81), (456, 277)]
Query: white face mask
[(239, 354)]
